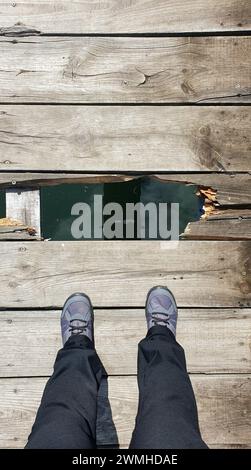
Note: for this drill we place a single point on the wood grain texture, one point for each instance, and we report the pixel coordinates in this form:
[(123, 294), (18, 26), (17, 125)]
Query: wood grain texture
[(119, 273), (125, 138), (35, 179), (24, 205), (230, 213), (16, 234), (127, 70), (214, 340), (112, 16), (230, 188), (221, 225), (223, 404)]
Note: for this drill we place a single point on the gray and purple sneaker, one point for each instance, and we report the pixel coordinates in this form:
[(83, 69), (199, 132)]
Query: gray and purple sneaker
[(77, 317), (161, 308)]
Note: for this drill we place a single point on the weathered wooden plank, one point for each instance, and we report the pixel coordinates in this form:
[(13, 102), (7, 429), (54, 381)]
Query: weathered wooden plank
[(14, 230), (34, 179), (221, 225), (134, 138), (230, 213), (229, 446), (230, 189), (224, 229), (128, 70), (17, 235), (32, 339), (24, 205), (223, 404), (139, 16), (225, 398), (119, 273)]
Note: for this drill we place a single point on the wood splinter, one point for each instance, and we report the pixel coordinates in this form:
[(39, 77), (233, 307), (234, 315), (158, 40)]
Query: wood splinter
[(210, 202)]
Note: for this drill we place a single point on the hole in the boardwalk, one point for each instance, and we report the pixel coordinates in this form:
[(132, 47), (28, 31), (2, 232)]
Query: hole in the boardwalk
[(2, 204), (143, 208)]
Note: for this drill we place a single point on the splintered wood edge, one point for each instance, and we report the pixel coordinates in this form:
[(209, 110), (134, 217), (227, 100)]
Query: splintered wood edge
[(7, 224)]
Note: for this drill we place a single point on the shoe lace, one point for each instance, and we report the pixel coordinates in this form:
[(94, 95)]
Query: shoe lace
[(78, 329), (157, 320)]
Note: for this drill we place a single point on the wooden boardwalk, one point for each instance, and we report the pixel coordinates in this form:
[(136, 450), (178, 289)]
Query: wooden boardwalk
[(110, 94)]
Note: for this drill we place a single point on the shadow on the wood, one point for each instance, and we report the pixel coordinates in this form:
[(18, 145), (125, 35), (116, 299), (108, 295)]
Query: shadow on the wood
[(105, 429)]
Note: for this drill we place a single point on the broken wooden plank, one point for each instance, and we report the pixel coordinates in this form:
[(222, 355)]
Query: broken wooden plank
[(221, 225), (222, 229), (36, 180), (134, 138), (231, 214), (154, 16), (119, 273), (125, 70), (230, 189), (221, 335), (11, 229), (24, 205), (22, 235), (223, 404)]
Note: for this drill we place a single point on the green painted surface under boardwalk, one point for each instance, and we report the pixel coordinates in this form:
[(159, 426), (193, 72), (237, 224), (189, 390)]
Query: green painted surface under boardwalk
[(2, 204), (57, 201)]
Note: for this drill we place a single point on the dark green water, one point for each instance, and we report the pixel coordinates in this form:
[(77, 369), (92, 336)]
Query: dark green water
[(57, 201), (2, 204)]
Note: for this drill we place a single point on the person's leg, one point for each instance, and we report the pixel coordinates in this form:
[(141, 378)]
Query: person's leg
[(66, 418), (167, 414)]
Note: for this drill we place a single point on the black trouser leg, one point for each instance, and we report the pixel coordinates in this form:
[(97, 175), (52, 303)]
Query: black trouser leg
[(66, 418), (167, 413)]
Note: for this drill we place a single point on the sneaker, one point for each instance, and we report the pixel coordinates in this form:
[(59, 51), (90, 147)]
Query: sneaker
[(161, 308), (77, 317)]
